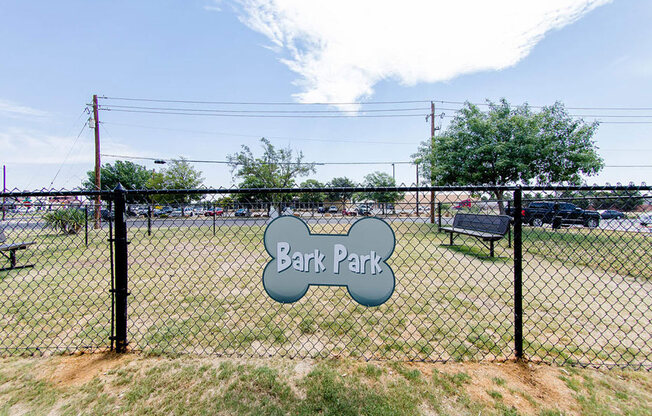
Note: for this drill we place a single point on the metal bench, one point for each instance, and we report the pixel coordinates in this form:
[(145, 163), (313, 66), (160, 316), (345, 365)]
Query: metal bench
[(12, 248), (487, 228)]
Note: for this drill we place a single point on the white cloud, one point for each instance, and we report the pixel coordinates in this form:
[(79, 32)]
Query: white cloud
[(215, 6), (8, 108), (20, 146), (342, 48)]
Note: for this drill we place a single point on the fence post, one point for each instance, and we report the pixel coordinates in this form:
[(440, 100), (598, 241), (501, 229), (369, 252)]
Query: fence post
[(439, 216), (432, 207), (509, 227), (149, 220), (121, 269), (518, 276), (215, 215), (86, 225)]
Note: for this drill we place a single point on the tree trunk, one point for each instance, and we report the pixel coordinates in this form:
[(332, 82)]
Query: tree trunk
[(501, 205)]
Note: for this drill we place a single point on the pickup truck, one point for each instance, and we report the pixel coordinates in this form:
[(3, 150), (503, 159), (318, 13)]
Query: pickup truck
[(557, 214)]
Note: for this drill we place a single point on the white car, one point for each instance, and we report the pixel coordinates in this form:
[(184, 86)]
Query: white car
[(176, 213), (645, 220)]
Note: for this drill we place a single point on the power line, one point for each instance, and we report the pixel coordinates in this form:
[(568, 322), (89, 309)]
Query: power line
[(568, 108), (226, 162), (71, 147), (263, 102), (219, 133), (218, 110), (331, 116), (341, 112), (628, 166), (615, 108), (625, 122), (264, 115)]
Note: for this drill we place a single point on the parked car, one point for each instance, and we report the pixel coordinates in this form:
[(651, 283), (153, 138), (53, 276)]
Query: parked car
[(645, 220), (243, 212), (217, 212), (612, 214), (349, 213), (176, 213), (332, 209), (163, 212), (106, 215), (140, 211), (466, 203), (321, 209), (558, 214), (364, 210)]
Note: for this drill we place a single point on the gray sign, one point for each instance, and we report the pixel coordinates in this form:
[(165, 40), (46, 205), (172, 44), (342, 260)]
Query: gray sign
[(356, 260)]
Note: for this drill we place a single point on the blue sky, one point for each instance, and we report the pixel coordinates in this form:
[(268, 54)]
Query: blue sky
[(586, 53)]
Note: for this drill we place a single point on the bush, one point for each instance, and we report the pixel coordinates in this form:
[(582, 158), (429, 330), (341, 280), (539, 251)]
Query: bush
[(69, 220)]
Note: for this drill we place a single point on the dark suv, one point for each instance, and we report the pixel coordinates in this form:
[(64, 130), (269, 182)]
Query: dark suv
[(558, 214)]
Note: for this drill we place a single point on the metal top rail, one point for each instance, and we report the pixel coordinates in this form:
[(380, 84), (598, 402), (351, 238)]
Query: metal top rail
[(452, 188)]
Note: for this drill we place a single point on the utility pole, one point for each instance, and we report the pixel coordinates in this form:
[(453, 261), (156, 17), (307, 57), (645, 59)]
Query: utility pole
[(98, 181), (432, 146), (417, 189), (4, 189), (394, 173)]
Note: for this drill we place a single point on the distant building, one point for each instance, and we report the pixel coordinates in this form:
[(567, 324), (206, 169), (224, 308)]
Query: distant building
[(65, 200)]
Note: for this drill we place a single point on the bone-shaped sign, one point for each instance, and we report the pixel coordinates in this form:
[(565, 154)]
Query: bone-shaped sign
[(357, 260)]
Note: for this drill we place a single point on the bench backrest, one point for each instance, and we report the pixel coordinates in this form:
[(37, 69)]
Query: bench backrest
[(494, 224)]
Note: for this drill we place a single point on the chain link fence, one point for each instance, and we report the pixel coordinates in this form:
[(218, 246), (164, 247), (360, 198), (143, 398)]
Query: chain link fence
[(558, 275)]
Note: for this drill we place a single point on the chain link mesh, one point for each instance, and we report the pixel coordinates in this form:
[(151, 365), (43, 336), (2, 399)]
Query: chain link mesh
[(196, 261), (57, 297)]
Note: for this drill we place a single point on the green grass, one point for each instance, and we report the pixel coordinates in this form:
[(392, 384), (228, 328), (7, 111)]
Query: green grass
[(195, 292), (135, 385), (621, 252)]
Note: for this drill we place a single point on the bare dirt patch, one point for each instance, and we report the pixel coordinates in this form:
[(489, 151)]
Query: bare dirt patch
[(78, 369), (522, 381)]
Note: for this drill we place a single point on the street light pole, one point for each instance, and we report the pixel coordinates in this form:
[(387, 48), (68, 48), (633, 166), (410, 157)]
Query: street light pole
[(4, 189), (98, 180)]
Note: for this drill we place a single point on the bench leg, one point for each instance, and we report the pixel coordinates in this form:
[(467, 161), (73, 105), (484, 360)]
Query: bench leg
[(12, 262), (451, 238), (491, 248), (16, 267)]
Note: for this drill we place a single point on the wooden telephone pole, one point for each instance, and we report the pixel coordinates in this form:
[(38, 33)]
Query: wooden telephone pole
[(98, 181), (432, 146)]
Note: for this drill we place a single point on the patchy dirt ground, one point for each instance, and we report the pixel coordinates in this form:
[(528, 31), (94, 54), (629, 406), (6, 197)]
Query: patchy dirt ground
[(107, 383)]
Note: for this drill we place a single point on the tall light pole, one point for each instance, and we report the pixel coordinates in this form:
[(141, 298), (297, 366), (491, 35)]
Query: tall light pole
[(98, 180), (4, 189), (432, 146)]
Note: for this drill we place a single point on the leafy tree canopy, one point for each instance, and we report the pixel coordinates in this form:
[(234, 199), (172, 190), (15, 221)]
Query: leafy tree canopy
[(341, 196), (312, 197), (381, 179), (511, 145), (179, 175), (129, 174), (276, 168)]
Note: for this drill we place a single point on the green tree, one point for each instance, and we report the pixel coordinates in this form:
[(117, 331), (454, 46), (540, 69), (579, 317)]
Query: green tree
[(179, 175), (341, 196), (511, 145), (129, 174), (381, 180), (313, 198), (276, 168)]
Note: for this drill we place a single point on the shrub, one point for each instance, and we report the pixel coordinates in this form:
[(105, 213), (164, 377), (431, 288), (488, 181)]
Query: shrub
[(69, 220)]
